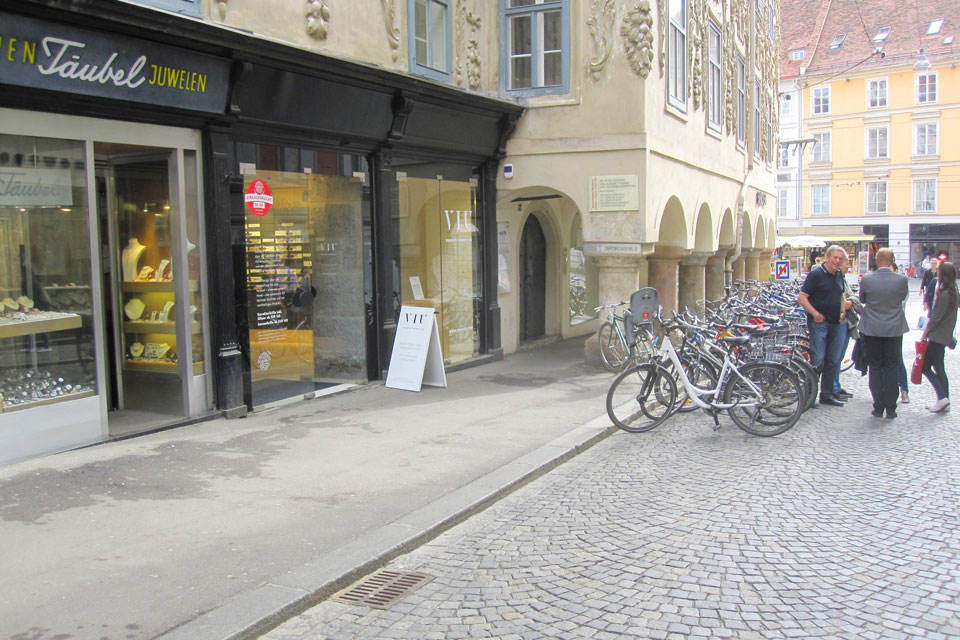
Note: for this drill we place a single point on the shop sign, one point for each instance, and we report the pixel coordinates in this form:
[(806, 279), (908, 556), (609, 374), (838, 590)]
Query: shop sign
[(35, 188), (258, 198), (615, 193), (57, 57), (416, 358), (612, 248)]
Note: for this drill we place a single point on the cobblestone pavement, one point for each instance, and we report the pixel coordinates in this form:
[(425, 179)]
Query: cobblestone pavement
[(844, 527)]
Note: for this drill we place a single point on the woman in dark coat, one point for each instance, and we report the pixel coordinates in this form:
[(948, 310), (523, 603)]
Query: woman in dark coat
[(938, 333)]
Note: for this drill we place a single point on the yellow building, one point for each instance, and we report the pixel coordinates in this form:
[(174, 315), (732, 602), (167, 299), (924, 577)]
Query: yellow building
[(871, 102)]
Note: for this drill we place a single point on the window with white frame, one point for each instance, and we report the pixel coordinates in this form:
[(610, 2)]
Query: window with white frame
[(430, 37), (769, 128), (821, 100), (784, 156), (934, 27), (798, 54), (741, 101), (926, 136), (820, 151), (820, 199), (756, 117), (677, 55), (187, 7), (716, 87), (877, 94), (925, 196), (926, 88), (877, 143), (877, 197), (781, 203), (537, 44), (785, 102)]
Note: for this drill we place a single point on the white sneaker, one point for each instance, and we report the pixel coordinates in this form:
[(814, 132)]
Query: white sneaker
[(940, 405), (904, 396)]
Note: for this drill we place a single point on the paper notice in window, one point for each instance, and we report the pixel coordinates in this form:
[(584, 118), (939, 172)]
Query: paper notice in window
[(416, 288)]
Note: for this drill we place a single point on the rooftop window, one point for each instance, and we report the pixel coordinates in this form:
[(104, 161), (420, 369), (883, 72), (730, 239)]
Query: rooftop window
[(838, 40), (882, 34), (798, 54), (934, 27)]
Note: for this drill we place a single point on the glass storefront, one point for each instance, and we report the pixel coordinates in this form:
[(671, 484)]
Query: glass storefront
[(305, 274), (584, 278), (438, 259), (46, 307), (102, 319)]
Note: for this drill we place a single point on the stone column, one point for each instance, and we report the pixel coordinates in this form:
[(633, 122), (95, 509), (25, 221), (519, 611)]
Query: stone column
[(738, 268), (765, 266), (713, 275), (751, 268), (618, 278), (692, 282), (662, 269)]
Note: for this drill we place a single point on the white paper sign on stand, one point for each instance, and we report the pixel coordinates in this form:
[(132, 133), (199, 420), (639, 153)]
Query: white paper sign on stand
[(416, 358)]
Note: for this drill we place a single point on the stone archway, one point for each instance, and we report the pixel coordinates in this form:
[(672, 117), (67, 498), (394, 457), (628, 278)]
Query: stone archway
[(692, 271), (533, 279), (663, 264)]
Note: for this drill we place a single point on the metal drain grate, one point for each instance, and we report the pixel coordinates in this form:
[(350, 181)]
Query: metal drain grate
[(383, 589)]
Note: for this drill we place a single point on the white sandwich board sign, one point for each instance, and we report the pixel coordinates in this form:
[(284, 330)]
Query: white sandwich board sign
[(416, 358)]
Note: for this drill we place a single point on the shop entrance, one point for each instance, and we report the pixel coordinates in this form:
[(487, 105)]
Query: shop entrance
[(533, 285), (149, 236)]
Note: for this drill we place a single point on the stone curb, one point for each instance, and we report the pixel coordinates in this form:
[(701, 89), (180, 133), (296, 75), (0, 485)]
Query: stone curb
[(255, 612)]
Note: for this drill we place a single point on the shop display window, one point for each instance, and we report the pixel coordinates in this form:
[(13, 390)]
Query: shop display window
[(584, 278), (47, 350), (438, 256)]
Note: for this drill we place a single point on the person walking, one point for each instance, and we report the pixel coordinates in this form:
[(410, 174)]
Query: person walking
[(848, 328), (929, 277), (902, 377), (938, 333), (882, 325), (822, 297)]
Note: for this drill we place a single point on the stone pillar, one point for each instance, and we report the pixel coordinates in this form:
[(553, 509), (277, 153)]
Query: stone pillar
[(713, 275), (692, 282), (751, 267), (765, 266), (738, 268), (618, 278), (662, 269)]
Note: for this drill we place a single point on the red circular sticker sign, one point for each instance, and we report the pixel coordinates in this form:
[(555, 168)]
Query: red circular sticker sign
[(258, 198)]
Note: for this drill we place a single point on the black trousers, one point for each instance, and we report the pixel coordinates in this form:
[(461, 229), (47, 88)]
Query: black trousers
[(884, 356)]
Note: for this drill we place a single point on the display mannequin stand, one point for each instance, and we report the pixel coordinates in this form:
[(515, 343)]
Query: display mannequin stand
[(130, 258)]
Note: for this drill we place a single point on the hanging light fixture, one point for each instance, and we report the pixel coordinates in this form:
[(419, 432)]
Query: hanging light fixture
[(922, 64)]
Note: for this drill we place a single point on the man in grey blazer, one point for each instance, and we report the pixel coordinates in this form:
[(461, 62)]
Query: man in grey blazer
[(882, 325)]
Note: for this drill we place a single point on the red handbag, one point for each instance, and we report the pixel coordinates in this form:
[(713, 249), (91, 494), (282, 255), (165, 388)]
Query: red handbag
[(916, 373)]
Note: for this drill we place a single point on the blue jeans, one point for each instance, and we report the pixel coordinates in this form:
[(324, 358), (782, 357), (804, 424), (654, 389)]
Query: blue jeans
[(841, 349), (902, 377), (824, 352)]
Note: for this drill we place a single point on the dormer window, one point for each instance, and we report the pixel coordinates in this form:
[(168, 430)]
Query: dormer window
[(798, 54), (838, 40), (934, 27), (881, 35)]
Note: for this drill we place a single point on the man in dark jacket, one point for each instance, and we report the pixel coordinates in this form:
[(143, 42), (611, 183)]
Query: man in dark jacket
[(822, 298)]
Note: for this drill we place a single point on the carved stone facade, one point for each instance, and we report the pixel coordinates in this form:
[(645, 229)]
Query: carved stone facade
[(637, 34), (662, 30), (467, 46), (393, 31), (318, 19), (603, 14)]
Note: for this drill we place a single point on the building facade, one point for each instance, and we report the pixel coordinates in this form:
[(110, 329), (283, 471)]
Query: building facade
[(868, 98)]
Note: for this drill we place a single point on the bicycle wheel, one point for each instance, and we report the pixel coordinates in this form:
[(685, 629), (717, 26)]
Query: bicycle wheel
[(641, 398), (773, 410), (612, 352)]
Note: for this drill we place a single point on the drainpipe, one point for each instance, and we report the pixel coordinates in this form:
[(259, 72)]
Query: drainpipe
[(728, 266)]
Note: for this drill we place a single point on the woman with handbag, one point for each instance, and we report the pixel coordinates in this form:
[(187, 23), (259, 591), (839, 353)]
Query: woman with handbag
[(938, 333)]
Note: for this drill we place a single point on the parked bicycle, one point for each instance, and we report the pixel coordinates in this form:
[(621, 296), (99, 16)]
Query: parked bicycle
[(622, 341)]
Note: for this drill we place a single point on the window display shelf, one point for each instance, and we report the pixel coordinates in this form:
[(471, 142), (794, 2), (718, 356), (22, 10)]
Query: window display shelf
[(158, 366), (53, 400), (49, 322), (151, 286), (167, 327)]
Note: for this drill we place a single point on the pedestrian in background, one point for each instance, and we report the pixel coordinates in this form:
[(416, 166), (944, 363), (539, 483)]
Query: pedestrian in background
[(929, 276), (882, 326), (822, 297), (848, 327), (939, 334), (902, 378)]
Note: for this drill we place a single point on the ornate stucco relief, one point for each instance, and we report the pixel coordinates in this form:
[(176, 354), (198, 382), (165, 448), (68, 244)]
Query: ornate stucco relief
[(318, 19), (740, 20), (222, 8), (603, 14), (467, 64), (695, 41), (729, 73), (637, 34), (393, 31), (662, 30)]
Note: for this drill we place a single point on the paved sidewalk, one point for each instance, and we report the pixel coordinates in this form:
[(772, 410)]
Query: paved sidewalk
[(213, 529)]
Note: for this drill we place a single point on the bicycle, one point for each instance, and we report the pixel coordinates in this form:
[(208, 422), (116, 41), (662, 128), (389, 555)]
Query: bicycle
[(617, 346), (762, 398)]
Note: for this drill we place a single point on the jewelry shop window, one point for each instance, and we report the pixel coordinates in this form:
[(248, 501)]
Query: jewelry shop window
[(438, 258), (46, 313)]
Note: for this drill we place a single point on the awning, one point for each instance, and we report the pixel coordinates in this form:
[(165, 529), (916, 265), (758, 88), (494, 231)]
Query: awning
[(801, 242), (860, 238)]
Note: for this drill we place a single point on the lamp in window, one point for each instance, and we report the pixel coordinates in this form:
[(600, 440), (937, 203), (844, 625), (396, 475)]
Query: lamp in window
[(922, 64)]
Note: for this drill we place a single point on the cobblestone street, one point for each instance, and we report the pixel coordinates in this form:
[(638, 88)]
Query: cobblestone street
[(844, 527)]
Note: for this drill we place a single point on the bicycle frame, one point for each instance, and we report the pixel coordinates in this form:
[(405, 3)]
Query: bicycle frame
[(667, 350)]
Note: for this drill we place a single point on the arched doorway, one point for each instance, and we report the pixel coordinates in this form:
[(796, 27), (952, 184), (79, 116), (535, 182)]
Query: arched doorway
[(533, 280)]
